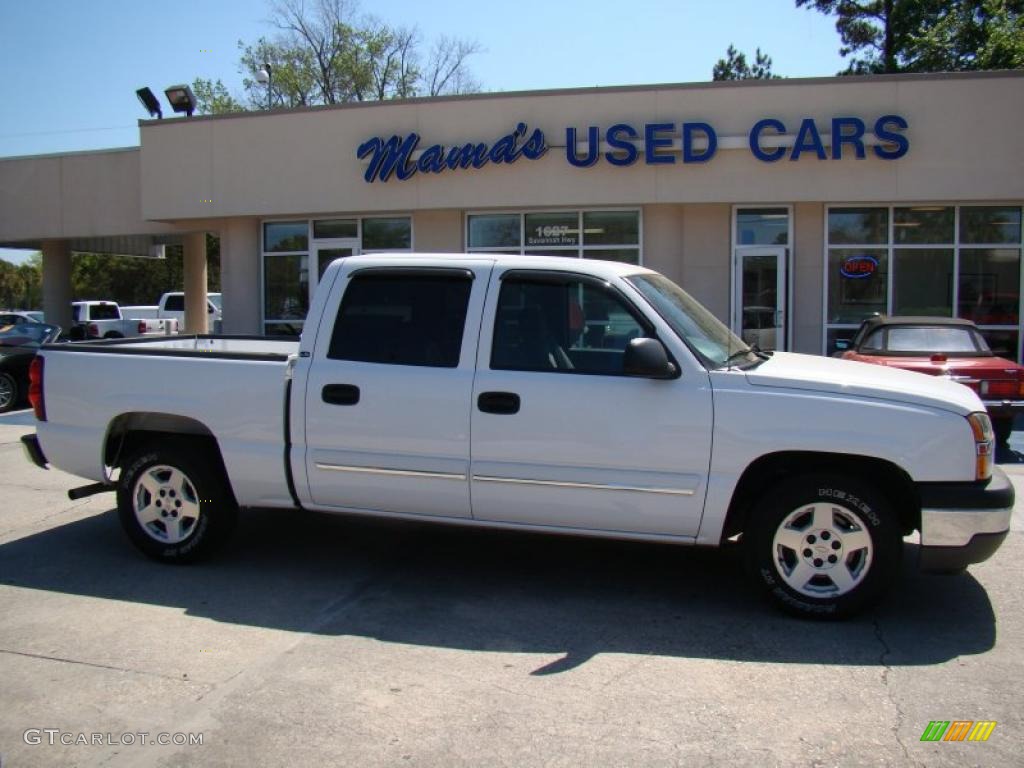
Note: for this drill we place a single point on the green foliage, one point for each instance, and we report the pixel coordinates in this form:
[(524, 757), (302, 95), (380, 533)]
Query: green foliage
[(325, 53), (21, 285), (132, 280), (212, 98), (735, 67), (927, 35)]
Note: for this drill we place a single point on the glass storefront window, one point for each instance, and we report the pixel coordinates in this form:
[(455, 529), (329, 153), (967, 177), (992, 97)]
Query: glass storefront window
[(552, 229), (990, 225), (609, 235), (989, 285), (285, 287), (923, 281), (281, 236), (858, 226), (327, 229), (923, 224), (762, 226), (857, 283), (944, 260), (387, 234), (611, 228), (494, 231)]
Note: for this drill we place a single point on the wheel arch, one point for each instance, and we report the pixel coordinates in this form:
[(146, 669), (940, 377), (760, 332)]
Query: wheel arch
[(770, 469)]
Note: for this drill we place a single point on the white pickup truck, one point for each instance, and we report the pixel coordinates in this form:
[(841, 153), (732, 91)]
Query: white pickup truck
[(105, 320), (533, 393), (172, 307)]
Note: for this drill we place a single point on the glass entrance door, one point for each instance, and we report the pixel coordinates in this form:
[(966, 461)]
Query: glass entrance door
[(759, 304), (324, 255)]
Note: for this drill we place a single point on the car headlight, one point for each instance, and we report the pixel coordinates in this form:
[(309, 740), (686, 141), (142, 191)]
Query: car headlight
[(984, 444)]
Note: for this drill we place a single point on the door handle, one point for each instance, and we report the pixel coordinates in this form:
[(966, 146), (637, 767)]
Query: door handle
[(340, 394), (502, 403)]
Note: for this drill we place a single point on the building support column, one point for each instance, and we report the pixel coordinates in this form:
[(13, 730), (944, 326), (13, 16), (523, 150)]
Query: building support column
[(57, 283), (240, 276), (196, 314)]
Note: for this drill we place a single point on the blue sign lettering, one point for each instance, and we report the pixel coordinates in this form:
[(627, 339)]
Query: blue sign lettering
[(393, 157), (402, 158)]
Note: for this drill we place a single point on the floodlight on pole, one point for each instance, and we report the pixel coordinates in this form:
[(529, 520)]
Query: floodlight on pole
[(149, 101), (181, 99)]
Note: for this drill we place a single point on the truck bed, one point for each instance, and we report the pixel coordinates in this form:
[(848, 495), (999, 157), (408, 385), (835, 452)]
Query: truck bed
[(234, 387)]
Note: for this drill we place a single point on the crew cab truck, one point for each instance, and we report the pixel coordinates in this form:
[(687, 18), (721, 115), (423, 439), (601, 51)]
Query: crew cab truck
[(533, 393), (105, 320)]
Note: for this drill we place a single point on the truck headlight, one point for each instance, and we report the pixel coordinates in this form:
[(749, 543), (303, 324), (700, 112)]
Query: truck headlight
[(984, 445)]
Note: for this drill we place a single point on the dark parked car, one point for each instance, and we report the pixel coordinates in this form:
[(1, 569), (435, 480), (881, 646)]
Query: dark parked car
[(945, 347), (18, 345)]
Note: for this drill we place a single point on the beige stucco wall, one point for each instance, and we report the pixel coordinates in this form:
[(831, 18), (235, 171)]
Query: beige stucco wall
[(85, 194), (808, 266), (240, 275), (962, 148), (437, 231)]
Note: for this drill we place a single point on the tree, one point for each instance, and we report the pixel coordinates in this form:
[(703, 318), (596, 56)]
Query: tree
[(927, 35), (734, 67), (324, 53), (212, 98)]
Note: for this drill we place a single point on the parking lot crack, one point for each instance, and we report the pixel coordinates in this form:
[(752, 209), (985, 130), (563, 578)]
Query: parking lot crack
[(886, 670), (96, 665)]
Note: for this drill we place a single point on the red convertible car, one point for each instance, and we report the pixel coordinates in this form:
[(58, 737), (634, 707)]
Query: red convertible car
[(945, 347)]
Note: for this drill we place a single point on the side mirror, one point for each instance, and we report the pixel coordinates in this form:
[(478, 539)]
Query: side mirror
[(647, 358)]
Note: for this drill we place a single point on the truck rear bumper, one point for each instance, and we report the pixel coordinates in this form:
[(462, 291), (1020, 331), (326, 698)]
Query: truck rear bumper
[(34, 451), (964, 523)]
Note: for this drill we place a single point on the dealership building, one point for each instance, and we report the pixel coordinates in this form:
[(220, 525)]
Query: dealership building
[(793, 208)]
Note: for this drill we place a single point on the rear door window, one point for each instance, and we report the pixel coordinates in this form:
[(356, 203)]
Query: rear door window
[(403, 317)]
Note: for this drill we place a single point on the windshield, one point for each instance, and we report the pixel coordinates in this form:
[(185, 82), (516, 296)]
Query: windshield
[(30, 335), (214, 299), (703, 333)]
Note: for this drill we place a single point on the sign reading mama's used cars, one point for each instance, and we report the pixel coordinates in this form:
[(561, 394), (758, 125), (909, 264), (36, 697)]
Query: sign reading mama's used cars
[(624, 144)]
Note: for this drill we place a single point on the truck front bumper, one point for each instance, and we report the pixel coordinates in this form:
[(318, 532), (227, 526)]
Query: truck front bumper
[(964, 523)]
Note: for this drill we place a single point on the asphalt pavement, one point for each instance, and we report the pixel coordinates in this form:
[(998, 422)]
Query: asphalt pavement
[(320, 640)]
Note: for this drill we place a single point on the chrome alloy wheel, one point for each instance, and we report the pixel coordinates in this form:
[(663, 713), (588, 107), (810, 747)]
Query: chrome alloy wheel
[(822, 550), (166, 504), (7, 391)]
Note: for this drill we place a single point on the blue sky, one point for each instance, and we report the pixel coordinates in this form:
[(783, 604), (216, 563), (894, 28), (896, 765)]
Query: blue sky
[(71, 67)]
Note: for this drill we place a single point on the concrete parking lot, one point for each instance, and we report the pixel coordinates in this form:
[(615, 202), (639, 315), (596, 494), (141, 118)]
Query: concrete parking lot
[(318, 640)]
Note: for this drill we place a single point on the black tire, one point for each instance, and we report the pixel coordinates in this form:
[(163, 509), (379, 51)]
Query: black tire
[(1003, 428), (197, 511), (8, 392), (825, 517)]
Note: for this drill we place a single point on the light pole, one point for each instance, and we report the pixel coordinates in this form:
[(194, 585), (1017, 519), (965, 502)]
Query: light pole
[(265, 76)]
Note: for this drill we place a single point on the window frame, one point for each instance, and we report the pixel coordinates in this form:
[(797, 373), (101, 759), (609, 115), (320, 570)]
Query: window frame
[(313, 244), (465, 275), (558, 277), (571, 251), (891, 246)]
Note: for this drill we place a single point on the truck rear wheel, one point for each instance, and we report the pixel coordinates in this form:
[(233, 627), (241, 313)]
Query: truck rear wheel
[(174, 502), (823, 546)]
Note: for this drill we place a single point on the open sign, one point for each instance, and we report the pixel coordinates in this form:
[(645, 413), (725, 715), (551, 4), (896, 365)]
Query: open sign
[(858, 266)]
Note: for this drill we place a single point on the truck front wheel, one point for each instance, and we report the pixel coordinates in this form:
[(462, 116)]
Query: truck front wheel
[(174, 503), (823, 546)]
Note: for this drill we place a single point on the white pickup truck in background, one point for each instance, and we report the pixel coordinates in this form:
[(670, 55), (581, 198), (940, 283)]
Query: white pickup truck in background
[(172, 307), (106, 320), (533, 393)]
